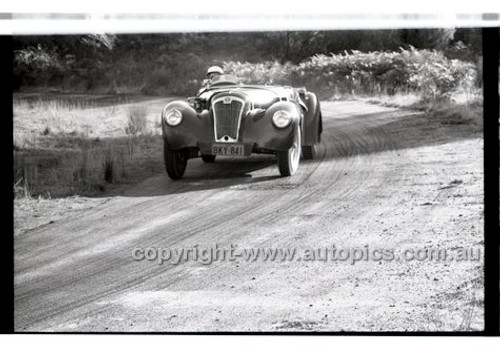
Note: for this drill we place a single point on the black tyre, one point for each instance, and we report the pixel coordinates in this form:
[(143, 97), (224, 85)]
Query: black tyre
[(314, 110), (208, 158), (175, 162), (288, 161), (320, 127), (308, 152)]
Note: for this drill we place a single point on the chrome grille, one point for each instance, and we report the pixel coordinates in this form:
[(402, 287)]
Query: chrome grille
[(227, 118)]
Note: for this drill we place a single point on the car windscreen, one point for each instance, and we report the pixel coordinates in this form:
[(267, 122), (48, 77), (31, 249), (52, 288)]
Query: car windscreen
[(224, 79)]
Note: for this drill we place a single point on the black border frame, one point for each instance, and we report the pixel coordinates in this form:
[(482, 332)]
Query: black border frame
[(490, 47)]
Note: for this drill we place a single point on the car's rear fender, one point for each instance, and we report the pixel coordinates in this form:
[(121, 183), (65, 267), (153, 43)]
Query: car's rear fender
[(312, 120)]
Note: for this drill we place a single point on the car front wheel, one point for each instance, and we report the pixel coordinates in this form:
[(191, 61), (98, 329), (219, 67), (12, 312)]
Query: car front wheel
[(288, 161), (175, 162)]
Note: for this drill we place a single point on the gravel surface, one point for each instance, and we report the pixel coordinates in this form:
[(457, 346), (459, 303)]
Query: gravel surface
[(383, 179)]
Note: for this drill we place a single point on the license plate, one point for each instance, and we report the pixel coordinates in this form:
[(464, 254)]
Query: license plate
[(228, 150)]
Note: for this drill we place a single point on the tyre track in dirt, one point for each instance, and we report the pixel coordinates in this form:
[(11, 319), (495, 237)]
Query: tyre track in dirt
[(70, 271)]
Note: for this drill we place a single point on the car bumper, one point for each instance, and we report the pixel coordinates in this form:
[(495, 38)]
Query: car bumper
[(255, 134)]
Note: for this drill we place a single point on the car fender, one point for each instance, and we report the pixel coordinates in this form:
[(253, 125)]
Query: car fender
[(292, 108), (193, 127), (259, 128)]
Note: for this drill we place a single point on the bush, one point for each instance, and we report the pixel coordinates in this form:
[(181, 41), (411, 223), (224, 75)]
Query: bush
[(429, 73), (165, 69), (269, 72), (37, 65)]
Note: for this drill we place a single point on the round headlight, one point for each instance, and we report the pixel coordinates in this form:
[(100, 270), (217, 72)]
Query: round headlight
[(173, 117), (282, 119)]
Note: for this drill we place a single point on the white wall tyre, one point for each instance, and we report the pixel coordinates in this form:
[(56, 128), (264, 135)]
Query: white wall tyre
[(288, 161)]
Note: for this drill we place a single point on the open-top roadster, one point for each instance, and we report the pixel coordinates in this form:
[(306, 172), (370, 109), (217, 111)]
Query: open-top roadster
[(232, 119)]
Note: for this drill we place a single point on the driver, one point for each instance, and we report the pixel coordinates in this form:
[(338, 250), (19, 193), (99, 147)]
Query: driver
[(213, 74)]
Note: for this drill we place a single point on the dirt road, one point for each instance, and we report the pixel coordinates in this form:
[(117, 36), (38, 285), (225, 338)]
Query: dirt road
[(383, 178)]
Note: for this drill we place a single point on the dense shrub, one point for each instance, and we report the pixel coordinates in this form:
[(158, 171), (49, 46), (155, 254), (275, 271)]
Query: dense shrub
[(141, 65), (35, 65), (429, 73), (270, 72)]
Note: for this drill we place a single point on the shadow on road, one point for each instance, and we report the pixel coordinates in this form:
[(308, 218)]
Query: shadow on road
[(224, 173)]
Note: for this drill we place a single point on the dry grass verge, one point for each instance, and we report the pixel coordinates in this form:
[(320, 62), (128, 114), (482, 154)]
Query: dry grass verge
[(68, 147), (462, 108)]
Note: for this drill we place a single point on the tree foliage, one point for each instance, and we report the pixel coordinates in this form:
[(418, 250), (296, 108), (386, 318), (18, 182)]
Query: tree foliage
[(175, 63)]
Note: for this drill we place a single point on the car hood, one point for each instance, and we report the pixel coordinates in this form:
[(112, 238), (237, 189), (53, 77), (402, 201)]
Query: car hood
[(261, 96)]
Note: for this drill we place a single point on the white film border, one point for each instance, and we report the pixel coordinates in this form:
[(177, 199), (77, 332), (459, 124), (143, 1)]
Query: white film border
[(26, 17)]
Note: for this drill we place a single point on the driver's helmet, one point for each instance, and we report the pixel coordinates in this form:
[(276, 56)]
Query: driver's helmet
[(214, 70)]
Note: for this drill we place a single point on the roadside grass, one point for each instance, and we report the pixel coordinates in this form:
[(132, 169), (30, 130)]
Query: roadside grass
[(137, 122), (461, 108), (69, 147)]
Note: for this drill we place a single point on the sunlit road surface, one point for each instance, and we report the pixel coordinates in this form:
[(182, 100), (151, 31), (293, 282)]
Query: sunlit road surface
[(376, 181)]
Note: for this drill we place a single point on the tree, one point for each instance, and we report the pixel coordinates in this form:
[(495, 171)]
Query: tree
[(437, 39)]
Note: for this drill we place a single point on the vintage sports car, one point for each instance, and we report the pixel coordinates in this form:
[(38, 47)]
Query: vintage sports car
[(231, 119)]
